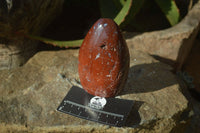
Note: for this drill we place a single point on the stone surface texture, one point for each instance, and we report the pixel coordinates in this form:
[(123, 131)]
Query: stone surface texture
[(174, 43), (15, 53), (29, 96), (23, 17), (192, 64), (104, 59)]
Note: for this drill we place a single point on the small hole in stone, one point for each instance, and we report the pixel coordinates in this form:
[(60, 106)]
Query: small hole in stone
[(103, 46)]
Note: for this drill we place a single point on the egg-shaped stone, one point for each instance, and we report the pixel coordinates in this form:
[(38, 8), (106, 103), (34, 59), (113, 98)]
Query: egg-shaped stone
[(103, 59)]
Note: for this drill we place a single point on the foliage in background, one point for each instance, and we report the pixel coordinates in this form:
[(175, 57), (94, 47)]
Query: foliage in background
[(123, 13), (170, 10)]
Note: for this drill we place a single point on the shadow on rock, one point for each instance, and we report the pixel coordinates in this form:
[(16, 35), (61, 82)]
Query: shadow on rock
[(148, 78), (134, 118)]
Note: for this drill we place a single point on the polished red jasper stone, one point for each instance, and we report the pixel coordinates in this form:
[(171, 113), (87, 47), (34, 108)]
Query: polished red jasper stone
[(103, 59)]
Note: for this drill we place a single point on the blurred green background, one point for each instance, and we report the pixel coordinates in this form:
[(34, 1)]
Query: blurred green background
[(69, 29)]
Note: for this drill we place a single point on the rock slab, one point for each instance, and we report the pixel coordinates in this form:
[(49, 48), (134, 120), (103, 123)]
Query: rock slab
[(29, 96), (172, 45)]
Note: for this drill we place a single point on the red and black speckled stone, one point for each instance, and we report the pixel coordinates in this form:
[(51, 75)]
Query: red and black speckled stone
[(103, 59)]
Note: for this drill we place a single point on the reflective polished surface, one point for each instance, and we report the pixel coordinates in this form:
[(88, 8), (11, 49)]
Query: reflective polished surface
[(103, 59)]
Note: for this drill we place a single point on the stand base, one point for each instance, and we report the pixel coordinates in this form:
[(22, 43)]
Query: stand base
[(109, 111)]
